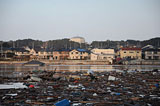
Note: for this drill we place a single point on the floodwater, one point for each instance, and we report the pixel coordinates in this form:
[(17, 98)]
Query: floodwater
[(16, 69)]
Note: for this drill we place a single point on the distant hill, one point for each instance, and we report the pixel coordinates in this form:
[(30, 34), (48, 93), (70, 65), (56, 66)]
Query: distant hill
[(115, 44), (67, 44)]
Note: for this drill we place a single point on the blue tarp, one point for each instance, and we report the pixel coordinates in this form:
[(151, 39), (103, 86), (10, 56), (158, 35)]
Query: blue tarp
[(64, 102), (117, 94), (157, 85)]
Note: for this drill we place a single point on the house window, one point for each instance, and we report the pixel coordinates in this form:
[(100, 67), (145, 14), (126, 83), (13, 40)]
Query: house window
[(124, 52), (155, 57), (149, 57), (137, 52), (155, 52), (76, 52), (149, 52), (105, 58), (130, 52)]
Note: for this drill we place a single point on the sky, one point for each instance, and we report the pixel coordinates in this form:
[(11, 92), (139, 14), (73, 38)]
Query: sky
[(91, 19)]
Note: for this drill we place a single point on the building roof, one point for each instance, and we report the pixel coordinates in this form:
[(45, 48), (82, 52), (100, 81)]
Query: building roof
[(131, 49), (78, 37), (82, 50), (60, 50), (34, 62), (152, 49), (19, 50)]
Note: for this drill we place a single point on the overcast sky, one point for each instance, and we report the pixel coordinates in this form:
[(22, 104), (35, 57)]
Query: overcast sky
[(91, 19)]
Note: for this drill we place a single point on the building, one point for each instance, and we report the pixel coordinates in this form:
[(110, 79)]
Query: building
[(146, 48), (6, 53), (152, 54), (61, 54), (103, 54), (45, 54), (79, 54), (132, 53), (21, 54), (78, 39)]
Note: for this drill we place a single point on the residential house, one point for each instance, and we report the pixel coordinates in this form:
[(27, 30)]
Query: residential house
[(103, 54), (45, 54), (61, 54), (6, 53), (132, 53), (79, 54), (146, 48), (152, 54), (21, 54)]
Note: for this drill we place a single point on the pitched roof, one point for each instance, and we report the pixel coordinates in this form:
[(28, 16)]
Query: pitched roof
[(35, 62), (19, 50), (131, 49), (152, 49), (82, 50)]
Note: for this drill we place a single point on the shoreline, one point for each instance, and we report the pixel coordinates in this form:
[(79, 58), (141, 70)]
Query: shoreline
[(86, 62)]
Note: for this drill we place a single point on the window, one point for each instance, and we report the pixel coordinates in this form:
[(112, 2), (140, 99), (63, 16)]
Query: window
[(149, 52), (155, 52), (76, 52), (137, 52), (156, 57), (124, 52), (130, 52), (149, 57)]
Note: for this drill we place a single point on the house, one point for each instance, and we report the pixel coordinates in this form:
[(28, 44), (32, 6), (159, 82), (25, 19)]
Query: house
[(152, 54), (61, 54), (132, 53), (6, 53), (79, 54), (45, 54), (146, 48), (21, 54), (34, 53), (103, 54)]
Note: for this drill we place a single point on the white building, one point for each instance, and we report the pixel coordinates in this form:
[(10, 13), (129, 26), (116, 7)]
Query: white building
[(103, 54), (78, 39)]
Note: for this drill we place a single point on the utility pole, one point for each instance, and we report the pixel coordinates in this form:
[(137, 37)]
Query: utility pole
[(101, 44), (33, 44), (1, 49), (80, 45), (13, 45), (70, 46)]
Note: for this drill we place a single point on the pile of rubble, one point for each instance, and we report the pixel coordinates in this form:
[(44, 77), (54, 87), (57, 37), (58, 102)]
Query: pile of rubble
[(117, 88)]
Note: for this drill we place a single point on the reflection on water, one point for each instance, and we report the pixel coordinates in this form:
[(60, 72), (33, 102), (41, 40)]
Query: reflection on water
[(7, 70)]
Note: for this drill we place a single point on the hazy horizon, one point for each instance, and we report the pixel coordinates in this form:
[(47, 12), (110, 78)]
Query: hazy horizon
[(94, 20)]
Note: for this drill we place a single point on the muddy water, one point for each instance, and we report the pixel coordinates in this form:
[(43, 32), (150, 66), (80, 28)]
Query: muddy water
[(15, 70)]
